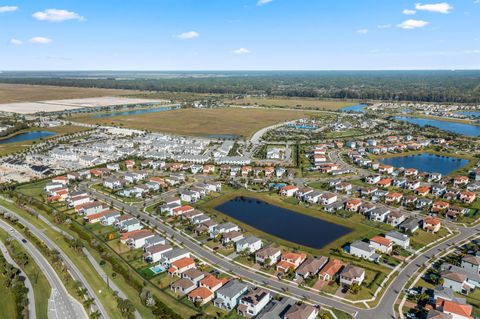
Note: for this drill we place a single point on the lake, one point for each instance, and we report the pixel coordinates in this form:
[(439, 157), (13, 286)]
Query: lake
[(27, 136), (473, 114), (354, 108), (458, 128), (427, 162), (134, 112), (283, 223)]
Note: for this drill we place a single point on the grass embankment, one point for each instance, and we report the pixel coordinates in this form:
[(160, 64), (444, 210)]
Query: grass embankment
[(303, 103), (202, 122), (7, 301), (41, 287), (18, 146), (359, 230)]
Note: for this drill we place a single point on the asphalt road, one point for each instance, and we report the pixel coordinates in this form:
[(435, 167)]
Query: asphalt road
[(75, 272), (60, 305)]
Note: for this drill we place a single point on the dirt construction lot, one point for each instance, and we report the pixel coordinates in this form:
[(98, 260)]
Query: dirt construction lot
[(203, 122), (11, 93)]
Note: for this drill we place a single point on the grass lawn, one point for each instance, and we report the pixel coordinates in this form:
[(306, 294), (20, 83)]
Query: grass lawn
[(7, 302), (304, 103), (18, 146), (422, 238), (359, 230), (236, 121), (41, 287)]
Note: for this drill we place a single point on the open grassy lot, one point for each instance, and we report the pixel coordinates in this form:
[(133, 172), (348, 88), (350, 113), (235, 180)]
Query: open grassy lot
[(359, 230), (18, 146), (7, 302), (197, 122), (11, 93), (305, 103), (41, 287)]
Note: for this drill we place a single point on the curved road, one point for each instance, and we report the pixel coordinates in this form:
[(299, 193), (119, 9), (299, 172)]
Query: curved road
[(77, 275), (61, 304)]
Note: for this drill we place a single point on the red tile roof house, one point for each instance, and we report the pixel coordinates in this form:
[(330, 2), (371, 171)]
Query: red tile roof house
[(212, 283), (431, 224), (201, 295), (129, 164), (353, 204), (178, 267), (467, 197), (60, 179), (207, 169), (422, 190), (411, 172), (391, 198), (460, 180), (178, 211), (134, 235), (440, 206), (330, 270), (382, 244), (454, 309), (288, 190), (290, 260), (385, 169), (386, 182)]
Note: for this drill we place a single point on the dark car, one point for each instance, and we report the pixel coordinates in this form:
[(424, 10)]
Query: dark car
[(24, 240)]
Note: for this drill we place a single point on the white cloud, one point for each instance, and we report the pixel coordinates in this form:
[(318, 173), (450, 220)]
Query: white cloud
[(362, 31), (442, 7), (263, 2), (471, 51), (409, 12), (412, 24), (188, 35), (16, 42), (40, 40), (241, 51), (8, 9), (476, 2), (55, 15), (384, 26)]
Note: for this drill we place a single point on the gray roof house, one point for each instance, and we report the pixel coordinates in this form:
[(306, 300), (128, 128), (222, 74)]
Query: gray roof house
[(228, 296), (311, 266), (363, 250)]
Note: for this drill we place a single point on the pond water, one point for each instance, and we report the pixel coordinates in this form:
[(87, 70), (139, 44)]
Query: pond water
[(27, 136), (427, 162), (459, 128), (354, 108), (474, 114), (134, 112), (283, 223)]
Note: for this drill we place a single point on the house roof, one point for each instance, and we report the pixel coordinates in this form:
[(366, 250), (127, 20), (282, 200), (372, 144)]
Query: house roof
[(435, 314), (381, 240), (232, 288), (212, 281), (301, 311), (454, 276), (456, 308), (183, 262), (332, 267), (312, 265), (268, 251), (474, 260), (200, 293), (255, 296), (183, 283), (431, 220), (351, 271)]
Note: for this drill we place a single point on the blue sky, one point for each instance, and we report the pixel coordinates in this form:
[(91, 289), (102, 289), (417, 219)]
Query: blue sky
[(239, 34)]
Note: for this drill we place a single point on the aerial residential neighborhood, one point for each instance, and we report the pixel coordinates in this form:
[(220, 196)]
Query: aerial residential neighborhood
[(270, 159)]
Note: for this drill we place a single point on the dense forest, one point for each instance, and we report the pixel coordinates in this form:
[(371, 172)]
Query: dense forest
[(427, 86)]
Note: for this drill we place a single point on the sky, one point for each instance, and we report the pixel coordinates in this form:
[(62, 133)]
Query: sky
[(239, 34)]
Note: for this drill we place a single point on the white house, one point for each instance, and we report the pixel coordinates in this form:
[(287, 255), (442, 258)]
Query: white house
[(250, 243)]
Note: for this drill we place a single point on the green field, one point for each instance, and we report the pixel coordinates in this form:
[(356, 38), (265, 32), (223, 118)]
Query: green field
[(7, 302), (303, 103), (41, 287)]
